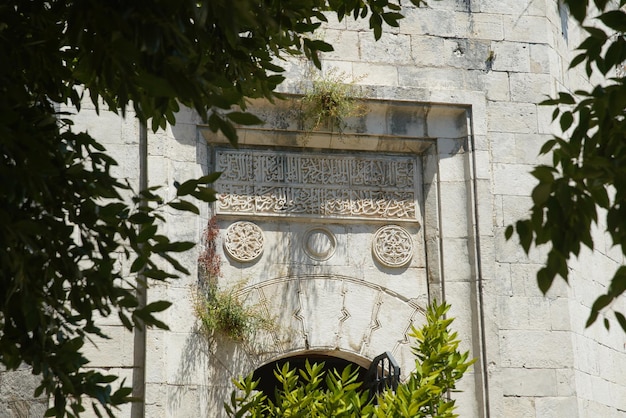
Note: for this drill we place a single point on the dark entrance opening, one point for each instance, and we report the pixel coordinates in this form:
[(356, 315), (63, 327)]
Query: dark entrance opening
[(268, 382)]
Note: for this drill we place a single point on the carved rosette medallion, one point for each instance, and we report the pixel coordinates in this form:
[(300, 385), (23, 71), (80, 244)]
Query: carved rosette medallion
[(319, 244), (392, 246), (244, 241)]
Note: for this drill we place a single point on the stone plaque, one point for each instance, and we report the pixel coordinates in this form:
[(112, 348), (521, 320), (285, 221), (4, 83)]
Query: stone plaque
[(297, 184)]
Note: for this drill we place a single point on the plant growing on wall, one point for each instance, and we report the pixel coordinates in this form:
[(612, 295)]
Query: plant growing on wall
[(329, 100), (438, 367), (222, 311)]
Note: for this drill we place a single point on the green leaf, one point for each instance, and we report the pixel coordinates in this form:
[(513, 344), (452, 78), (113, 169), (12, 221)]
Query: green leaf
[(318, 45), (544, 280), (541, 193), (157, 86), (213, 122), (597, 36), (391, 18), (206, 194), (228, 130), (614, 19), (509, 232), (183, 205), (174, 263), (376, 25), (157, 306), (524, 232), (547, 146), (146, 233), (176, 247), (125, 321), (566, 121), (577, 60), (600, 4), (621, 320), (578, 8), (141, 218), (187, 187), (566, 98), (158, 274), (544, 174), (600, 303), (244, 118), (210, 178), (138, 264)]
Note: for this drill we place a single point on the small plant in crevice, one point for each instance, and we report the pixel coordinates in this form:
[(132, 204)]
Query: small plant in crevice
[(330, 100), (222, 311), (491, 57)]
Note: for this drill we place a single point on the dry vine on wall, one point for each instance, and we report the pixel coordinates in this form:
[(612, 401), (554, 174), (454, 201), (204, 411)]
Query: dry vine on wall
[(222, 311), (209, 261)]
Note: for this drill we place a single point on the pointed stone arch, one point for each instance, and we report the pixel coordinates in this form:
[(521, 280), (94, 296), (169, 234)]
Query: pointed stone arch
[(337, 315)]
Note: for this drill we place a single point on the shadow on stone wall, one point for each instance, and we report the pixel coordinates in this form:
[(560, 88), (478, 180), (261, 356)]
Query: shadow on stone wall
[(205, 371)]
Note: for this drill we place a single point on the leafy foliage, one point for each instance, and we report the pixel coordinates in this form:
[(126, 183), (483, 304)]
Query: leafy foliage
[(66, 228), (587, 176), (438, 367)]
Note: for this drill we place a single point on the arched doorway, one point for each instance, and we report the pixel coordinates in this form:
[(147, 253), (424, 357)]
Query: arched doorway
[(268, 382), (382, 372)]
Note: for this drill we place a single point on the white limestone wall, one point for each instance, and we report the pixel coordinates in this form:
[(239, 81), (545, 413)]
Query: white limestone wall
[(503, 58), (482, 65), (120, 137), (498, 59), (176, 358), (16, 394)]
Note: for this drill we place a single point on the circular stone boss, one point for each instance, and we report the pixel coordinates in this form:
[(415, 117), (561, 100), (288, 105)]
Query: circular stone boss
[(319, 243), (244, 241), (392, 246)]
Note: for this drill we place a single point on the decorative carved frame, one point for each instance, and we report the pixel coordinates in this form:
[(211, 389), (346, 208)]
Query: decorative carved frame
[(450, 141)]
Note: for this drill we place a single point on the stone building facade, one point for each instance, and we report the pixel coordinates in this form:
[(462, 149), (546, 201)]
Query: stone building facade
[(344, 239)]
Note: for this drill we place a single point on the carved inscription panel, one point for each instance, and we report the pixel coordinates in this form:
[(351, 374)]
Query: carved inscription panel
[(364, 186)]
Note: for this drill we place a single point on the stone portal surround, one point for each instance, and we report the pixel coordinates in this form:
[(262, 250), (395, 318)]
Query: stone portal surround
[(323, 312)]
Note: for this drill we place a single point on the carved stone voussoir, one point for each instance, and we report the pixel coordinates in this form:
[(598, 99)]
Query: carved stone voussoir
[(243, 241)]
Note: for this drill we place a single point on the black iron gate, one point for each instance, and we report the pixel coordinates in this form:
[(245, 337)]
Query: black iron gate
[(383, 373)]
